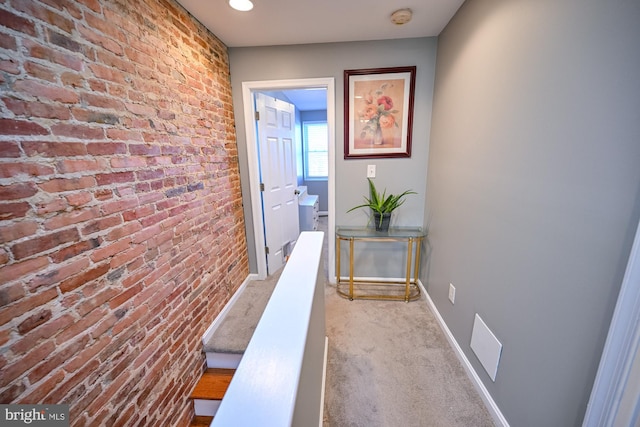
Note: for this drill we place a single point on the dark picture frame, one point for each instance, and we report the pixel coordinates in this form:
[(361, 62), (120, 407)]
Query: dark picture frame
[(378, 112)]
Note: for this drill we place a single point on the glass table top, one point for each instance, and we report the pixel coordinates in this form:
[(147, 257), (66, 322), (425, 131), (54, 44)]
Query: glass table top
[(369, 232)]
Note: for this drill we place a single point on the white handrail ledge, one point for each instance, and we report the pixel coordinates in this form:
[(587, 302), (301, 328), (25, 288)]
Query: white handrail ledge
[(279, 380)]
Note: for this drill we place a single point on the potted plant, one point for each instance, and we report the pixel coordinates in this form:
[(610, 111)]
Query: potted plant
[(382, 205)]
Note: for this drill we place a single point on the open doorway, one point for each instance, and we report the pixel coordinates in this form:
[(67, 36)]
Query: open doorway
[(249, 90)]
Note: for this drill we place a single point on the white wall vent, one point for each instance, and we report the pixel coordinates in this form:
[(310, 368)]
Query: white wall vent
[(486, 347)]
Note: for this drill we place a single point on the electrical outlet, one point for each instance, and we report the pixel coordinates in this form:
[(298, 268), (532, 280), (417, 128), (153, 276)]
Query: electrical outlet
[(452, 293), (371, 171)]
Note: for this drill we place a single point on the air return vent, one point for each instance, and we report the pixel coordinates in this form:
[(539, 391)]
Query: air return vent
[(486, 347)]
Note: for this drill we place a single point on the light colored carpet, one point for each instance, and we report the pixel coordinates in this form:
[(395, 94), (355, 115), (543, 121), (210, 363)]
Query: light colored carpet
[(389, 363), (235, 331)]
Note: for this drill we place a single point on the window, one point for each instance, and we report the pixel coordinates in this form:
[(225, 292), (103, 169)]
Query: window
[(316, 150)]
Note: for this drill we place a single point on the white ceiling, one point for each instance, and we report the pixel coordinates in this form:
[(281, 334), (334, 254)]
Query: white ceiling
[(282, 22)]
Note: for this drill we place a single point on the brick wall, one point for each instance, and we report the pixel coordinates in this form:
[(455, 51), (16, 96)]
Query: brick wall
[(121, 228)]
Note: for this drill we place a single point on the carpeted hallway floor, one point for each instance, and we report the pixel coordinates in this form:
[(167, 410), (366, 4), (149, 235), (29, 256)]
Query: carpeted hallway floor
[(389, 364)]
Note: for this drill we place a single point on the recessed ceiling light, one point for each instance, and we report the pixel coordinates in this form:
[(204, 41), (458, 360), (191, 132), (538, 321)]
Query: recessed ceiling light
[(241, 5)]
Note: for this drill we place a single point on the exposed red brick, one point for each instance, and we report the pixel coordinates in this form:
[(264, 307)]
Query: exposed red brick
[(25, 305), (59, 185), (101, 224), (10, 66), (54, 149), (70, 382), (21, 127), (57, 359), (112, 178), (34, 321), (106, 148), (70, 218), (8, 170), (45, 15), (9, 149), (38, 393), (128, 255), (17, 231), (70, 166), (100, 40), (118, 205), (72, 79), (17, 191), (144, 149), (79, 199), (14, 210), (39, 71), (53, 205), (90, 303), (128, 162), (82, 278), (12, 371), (9, 294), (8, 42), (46, 110), (126, 230), (56, 273), (56, 56), (110, 249), (120, 137), (88, 354), (108, 73), (103, 101), (44, 243), (16, 22), (75, 250), (77, 131), (4, 256), (51, 92)]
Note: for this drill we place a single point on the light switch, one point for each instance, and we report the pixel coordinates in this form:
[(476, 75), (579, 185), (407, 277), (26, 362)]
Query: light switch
[(371, 171)]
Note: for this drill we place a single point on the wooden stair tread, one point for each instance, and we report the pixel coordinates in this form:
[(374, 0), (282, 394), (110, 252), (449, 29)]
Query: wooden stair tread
[(201, 421), (213, 384)]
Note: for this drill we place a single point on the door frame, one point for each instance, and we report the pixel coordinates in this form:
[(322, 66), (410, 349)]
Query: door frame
[(615, 394), (248, 91)]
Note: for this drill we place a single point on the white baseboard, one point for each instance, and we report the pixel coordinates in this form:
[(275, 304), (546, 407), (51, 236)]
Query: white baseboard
[(491, 405), (223, 360), (220, 317), (204, 407), (324, 380)]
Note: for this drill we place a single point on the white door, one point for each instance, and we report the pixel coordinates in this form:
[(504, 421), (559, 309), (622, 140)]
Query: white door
[(278, 178)]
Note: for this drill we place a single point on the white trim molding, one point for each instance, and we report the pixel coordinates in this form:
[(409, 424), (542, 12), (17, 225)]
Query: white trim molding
[(248, 91), (615, 397), (490, 404)]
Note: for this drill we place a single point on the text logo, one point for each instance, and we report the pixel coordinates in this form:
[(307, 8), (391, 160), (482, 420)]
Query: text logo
[(34, 415)]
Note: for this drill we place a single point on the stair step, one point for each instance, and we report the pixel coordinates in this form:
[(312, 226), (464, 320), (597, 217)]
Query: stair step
[(201, 421), (213, 384)]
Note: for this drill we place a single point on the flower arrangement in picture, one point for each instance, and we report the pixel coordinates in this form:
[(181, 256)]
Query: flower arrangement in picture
[(378, 114)]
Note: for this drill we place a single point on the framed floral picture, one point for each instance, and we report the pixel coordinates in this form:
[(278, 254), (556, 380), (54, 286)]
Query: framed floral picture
[(378, 112)]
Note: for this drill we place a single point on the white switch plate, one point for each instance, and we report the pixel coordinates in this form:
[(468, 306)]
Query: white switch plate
[(452, 293), (371, 171)]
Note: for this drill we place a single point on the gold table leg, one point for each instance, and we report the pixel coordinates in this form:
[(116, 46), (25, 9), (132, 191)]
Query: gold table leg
[(408, 272), (351, 269), (338, 239)]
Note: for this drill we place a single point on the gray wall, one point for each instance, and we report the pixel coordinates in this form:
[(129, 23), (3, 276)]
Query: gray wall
[(534, 188), (330, 60)]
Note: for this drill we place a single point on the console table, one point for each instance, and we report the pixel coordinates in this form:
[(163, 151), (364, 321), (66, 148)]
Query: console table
[(380, 289)]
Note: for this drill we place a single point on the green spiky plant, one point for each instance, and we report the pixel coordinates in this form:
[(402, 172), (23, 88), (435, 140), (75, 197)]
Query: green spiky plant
[(380, 202)]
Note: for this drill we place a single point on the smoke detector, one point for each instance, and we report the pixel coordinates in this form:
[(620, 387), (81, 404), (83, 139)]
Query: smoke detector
[(401, 16)]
